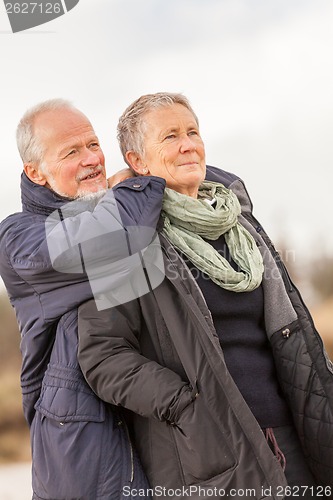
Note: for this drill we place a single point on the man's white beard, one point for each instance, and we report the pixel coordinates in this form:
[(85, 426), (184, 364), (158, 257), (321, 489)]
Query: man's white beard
[(86, 196), (92, 196)]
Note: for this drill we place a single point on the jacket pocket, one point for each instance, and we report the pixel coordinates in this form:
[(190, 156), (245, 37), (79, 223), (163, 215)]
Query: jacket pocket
[(66, 397), (68, 437), (202, 446)]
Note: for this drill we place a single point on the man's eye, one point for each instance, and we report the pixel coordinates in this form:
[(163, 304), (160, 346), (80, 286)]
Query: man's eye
[(71, 153), (193, 132), (94, 145)]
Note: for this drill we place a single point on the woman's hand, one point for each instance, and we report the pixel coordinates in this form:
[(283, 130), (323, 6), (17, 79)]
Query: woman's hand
[(120, 176)]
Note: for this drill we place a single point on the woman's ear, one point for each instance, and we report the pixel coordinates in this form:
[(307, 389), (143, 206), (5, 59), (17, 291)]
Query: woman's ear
[(34, 173), (137, 163)]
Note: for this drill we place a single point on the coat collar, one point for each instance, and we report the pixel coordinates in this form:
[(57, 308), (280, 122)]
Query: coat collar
[(39, 199)]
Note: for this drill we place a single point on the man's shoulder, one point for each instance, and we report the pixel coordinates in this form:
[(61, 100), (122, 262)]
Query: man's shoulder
[(18, 222), (8, 222)]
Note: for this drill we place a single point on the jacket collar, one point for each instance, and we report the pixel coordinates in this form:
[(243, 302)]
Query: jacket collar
[(39, 199)]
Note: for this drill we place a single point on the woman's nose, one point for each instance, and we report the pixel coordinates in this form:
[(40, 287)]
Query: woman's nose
[(187, 144)]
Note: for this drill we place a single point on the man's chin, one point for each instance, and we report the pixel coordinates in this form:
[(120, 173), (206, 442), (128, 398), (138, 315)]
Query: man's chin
[(81, 194), (88, 196)]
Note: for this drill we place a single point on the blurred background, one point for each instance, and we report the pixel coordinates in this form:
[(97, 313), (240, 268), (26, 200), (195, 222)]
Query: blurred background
[(258, 73)]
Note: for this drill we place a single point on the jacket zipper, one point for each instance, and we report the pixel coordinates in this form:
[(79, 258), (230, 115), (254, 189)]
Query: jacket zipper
[(121, 423)]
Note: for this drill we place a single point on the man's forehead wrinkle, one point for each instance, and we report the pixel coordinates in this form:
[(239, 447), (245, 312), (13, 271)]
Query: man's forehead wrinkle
[(51, 129), (61, 119), (77, 141)]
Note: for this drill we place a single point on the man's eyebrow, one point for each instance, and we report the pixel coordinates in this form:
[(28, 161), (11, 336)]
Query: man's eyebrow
[(65, 149), (172, 129), (77, 144)]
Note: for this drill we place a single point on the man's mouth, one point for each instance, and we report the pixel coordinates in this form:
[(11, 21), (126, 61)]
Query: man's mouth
[(92, 175)]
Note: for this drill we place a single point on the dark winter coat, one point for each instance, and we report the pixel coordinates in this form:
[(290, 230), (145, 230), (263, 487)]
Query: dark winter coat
[(80, 446), (159, 356)]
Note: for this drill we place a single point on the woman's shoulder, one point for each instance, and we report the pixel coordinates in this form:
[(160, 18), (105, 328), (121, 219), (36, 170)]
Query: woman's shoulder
[(216, 174)]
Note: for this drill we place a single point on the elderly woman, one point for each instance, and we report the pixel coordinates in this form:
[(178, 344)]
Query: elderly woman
[(227, 382)]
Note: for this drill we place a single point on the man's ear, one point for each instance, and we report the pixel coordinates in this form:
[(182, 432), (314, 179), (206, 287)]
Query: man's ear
[(137, 163), (34, 173)]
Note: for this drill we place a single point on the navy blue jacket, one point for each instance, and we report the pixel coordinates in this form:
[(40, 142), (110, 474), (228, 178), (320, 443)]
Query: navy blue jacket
[(80, 445)]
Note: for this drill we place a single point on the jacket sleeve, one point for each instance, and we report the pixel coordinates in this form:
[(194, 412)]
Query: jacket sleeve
[(111, 361), (77, 242)]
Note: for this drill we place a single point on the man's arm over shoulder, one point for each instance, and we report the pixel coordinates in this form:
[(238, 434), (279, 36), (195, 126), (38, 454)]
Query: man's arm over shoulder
[(145, 209), (73, 239)]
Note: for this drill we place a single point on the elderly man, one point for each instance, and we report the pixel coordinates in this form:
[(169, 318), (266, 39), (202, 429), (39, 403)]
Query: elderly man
[(80, 446)]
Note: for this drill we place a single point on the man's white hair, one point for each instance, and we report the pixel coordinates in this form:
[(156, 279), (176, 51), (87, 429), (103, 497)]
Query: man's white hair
[(29, 146)]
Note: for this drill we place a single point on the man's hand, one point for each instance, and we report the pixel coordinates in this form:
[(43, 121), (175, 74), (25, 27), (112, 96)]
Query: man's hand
[(120, 176)]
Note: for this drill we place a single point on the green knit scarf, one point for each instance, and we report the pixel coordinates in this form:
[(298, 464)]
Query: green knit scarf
[(188, 220)]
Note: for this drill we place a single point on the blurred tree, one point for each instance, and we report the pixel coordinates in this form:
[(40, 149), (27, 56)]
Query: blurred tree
[(14, 435)]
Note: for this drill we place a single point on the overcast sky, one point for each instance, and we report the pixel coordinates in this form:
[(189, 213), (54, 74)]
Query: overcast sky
[(259, 74)]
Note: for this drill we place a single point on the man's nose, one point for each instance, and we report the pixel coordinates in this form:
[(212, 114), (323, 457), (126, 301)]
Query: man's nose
[(90, 158)]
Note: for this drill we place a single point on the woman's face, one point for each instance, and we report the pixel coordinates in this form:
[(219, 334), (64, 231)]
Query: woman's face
[(174, 149)]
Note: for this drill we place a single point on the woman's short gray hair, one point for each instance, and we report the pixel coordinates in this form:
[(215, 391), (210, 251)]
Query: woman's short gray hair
[(29, 146), (131, 126)]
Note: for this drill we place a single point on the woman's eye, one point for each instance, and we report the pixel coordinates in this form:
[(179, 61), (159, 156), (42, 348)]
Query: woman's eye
[(72, 152), (170, 136), (193, 132)]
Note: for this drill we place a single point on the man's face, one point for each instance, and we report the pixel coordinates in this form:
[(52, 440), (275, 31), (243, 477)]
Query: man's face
[(174, 149), (73, 162)]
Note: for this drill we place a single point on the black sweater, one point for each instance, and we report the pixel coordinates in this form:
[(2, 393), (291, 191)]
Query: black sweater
[(239, 323)]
